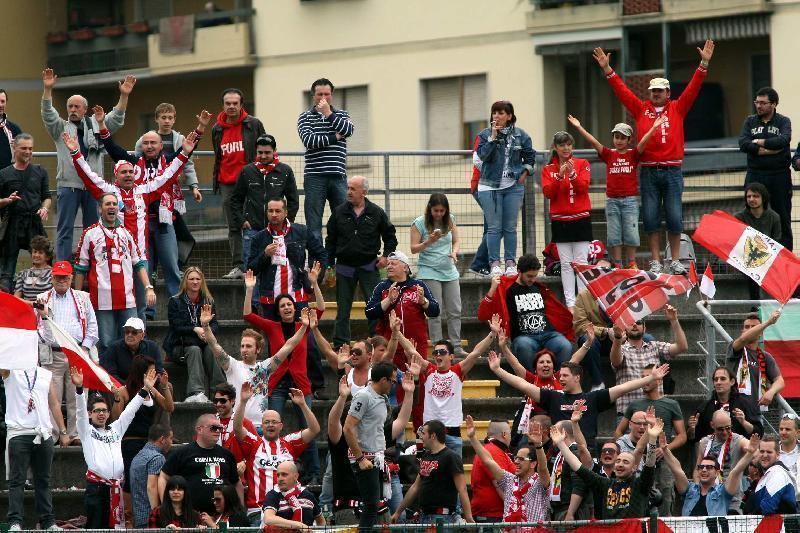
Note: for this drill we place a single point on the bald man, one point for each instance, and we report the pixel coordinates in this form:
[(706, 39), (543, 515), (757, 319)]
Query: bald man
[(205, 464), (161, 241), (290, 505), (71, 192), (727, 447)]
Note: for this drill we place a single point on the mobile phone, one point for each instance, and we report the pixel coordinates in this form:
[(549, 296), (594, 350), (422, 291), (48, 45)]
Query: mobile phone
[(437, 230)]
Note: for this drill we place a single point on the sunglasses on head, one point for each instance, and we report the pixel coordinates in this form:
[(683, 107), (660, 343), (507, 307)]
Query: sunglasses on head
[(790, 416)]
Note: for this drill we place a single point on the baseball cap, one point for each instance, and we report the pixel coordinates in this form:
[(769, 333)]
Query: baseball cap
[(135, 323), (400, 256), (659, 83), (62, 268), (623, 128)]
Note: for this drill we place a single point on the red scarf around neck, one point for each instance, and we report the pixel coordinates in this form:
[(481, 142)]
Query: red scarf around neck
[(266, 169), (516, 508), (293, 500)]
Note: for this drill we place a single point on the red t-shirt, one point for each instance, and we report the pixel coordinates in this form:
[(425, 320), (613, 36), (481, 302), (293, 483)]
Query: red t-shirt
[(621, 175)]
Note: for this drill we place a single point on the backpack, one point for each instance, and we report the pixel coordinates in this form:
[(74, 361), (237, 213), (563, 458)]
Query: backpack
[(686, 249)]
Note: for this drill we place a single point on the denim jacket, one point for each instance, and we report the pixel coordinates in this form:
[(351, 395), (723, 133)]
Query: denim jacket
[(492, 154), (717, 499)]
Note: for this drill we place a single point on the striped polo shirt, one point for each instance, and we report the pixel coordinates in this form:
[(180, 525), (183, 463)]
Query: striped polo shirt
[(324, 154)]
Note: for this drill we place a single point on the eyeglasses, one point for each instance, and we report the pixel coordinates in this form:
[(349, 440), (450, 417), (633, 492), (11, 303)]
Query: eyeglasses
[(441, 351), (723, 428), (99, 411), (609, 451), (270, 422), (221, 400), (762, 102), (131, 331), (216, 427), (520, 458), (706, 467), (642, 423)]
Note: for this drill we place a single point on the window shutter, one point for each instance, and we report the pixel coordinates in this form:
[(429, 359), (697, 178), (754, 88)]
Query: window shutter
[(356, 103), (476, 108), (443, 113)]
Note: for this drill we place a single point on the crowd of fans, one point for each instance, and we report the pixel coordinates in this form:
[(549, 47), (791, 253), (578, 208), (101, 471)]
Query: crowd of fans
[(242, 468)]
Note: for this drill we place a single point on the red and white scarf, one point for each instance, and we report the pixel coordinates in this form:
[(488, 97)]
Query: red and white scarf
[(266, 169), (283, 270), (555, 479), (723, 451), (171, 200), (516, 507), (292, 498), (743, 374), (116, 517), (7, 131)]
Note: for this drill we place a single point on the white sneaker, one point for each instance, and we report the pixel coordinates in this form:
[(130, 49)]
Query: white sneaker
[(15, 527), (656, 267), (198, 397), (235, 273), (54, 528), (496, 271), (511, 270), (677, 268)]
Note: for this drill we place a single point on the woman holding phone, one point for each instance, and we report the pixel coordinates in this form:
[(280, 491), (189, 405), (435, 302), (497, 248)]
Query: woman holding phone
[(434, 236), (507, 158)]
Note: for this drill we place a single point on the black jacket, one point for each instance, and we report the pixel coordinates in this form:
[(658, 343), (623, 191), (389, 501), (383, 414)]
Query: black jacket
[(6, 152), (252, 129), (253, 190), (777, 134), (182, 324), (706, 412), (117, 358), (298, 240), (355, 241)]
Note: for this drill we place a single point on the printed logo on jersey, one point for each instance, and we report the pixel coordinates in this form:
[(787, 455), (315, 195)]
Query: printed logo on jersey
[(213, 470), (427, 467)]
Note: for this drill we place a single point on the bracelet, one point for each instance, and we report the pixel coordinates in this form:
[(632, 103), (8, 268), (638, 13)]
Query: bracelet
[(358, 460), (704, 64), (586, 345), (539, 447)]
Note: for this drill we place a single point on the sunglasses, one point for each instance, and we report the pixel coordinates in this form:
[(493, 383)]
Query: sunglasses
[(131, 331), (706, 467), (356, 351), (609, 451), (723, 428), (221, 400), (216, 427), (440, 351)]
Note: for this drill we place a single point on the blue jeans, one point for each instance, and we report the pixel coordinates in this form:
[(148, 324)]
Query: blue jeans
[(661, 186), (397, 493), (318, 189), (162, 249), (500, 212), (248, 236), (109, 325), (69, 200), (425, 518), (622, 221), (454, 443), (527, 346), (310, 457), (481, 259)]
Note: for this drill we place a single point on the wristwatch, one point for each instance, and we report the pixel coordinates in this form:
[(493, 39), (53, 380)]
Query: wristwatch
[(148, 287), (62, 432)]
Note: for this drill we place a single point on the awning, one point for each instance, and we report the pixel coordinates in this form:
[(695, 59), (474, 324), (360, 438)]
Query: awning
[(569, 49), (725, 29)]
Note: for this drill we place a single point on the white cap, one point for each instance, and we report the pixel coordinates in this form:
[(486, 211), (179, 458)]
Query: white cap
[(135, 323), (659, 83), (400, 256)]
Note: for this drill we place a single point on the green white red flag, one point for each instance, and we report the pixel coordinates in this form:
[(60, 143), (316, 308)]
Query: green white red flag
[(782, 341)]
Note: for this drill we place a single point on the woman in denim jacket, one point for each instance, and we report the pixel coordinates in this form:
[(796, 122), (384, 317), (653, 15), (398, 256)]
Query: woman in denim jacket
[(508, 157)]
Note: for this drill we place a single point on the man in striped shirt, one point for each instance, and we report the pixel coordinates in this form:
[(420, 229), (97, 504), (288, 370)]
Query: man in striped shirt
[(324, 131)]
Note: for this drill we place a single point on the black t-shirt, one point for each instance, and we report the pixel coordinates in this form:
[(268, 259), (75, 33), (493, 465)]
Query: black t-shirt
[(344, 481), (274, 500), (204, 469), (700, 507), (559, 406), (438, 489), (526, 310)]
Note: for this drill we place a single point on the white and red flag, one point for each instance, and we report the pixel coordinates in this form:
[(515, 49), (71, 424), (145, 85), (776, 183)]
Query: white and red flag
[(95, 376), (765, 261), (19, 340), (627, 295), (707, 285)]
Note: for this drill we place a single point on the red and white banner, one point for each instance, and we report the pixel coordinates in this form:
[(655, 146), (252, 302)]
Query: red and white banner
[(733, 523), (707, 285), (628, 295), (19, 341), (765, 261), (95, 376)]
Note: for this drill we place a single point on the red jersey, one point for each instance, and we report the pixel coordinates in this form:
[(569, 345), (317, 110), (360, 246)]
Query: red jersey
[(133, 213), (666, 145), (231, 147), (110, 256), (263, 457), (227, 439), (486, 502), (569, 196), (621, 175)]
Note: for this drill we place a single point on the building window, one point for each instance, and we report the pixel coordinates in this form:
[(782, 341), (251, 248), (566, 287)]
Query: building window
[(354, 100), (456, 110)]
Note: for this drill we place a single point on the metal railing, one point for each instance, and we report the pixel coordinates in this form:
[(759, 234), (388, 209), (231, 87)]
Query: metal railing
[(716, 335)]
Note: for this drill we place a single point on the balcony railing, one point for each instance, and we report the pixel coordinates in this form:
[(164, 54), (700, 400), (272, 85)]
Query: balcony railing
[(555, 4)]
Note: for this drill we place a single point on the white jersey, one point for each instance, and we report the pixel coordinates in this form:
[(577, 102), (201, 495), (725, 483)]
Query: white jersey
[(354, 387), (28, 402), (110, 256), (238, 372), (443, 396)]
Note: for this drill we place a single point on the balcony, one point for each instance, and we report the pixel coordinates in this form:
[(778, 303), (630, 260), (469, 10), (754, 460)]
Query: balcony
[(220, 40), (698, 9), (558, 17)]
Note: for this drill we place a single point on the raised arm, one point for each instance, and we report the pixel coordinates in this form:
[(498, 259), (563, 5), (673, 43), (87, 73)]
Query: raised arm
[(335, 414), (245, 393), (617, 339), (404, 415), (535, 439), (681, 481), (619, 390), (583, 349), (752, 335), (583, 449), (222, 358), (313, 429), (515, 381), (681, 345), (505, 349), (557, 436), (480, 451), (480, 348), (597, 145), (646, 137), (313, 278), (734, 481), (93, 183)]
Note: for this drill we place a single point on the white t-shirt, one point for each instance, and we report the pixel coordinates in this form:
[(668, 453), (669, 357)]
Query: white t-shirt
[(28, 402), (443, 396), (789, 459), (239, 372)]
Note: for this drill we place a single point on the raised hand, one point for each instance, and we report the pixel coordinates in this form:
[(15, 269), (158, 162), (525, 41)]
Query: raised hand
[(656, 429), (420, 293), (313, 273), (126, 85), (49, 78), (304, 314), (738, 414), (296, 396), (76, 375), (502, 339), (661, 371), (206, 316), (415, 365), (343, 357), (590, 333), (70, 142), (394, 293), (670, 312), (249, 279), (693, 421), (495, 282), (556, 435), (408, 383), (602, 58), (313, 322), (188, 142), (150, 379), (577, 411), (494, 361), (164, 380), (535, 433), (470, 427), (246, 392), (707, 51), (495, 324), (394, 321), (753, 444), (776, 314), (344, 388), (99, 113), (574, 121), (662, 118), (204, 118)]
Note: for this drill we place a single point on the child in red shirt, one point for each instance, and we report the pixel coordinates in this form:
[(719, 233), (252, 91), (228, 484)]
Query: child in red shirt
[(622, 188)]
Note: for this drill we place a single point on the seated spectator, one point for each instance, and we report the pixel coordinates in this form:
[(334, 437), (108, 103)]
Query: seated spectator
[(757, 214), (745, 420), (37, 279), (707, 496), (757, 374), (409, 298), (176, 510), (434, 236), (118, 358), (724, 445), (228, 509), (186, 340), (533, 316), (290, 505), (775, 491), (145, 470)]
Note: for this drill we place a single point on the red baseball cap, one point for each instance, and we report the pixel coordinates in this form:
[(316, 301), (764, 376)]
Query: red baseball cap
[(62, 268)]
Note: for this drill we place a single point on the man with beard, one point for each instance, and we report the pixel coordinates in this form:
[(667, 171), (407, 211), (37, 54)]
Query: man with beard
[(775, 491), (726, 447), (765, 138)]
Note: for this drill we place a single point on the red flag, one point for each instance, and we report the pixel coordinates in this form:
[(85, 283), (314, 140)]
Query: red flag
[(19, 348), (628, 295), (768, 263), (707, 285), (693, 274), (94, 376)]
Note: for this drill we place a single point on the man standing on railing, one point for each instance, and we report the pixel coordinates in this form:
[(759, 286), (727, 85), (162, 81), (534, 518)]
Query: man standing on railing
[(8, 130), (765, 139), (234, 140), (324, 131), (660, 177), (757, 374), (71, 191)]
